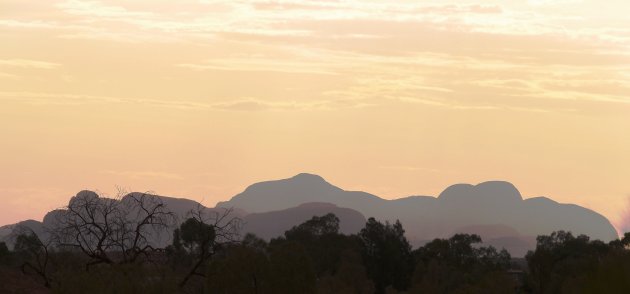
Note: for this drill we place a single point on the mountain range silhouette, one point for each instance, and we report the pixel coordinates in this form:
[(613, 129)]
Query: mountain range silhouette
[(495, 210)]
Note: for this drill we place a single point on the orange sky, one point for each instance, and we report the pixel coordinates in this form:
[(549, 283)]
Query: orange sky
[(201, 98)]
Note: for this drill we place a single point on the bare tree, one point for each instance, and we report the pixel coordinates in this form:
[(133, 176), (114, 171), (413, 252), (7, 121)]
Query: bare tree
[(204, 233), (111, 231)]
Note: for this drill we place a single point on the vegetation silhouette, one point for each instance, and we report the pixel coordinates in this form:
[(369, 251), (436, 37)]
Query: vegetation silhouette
[(207, 255)]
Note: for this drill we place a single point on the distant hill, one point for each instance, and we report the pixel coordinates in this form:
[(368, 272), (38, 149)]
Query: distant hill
[(495, 210), (272, 224), (425, 218), (300, 189), (33, 225)]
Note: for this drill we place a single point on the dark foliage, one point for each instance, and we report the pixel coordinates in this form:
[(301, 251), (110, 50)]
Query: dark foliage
[(198, 239), (4, 253), (243, 268), (208, 256), (563, 263), (36, 256), (457, 266), (386, 254)]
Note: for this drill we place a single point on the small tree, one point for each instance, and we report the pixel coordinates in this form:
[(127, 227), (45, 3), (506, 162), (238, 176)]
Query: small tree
[(322, 241), (196, 235), (313, 228), (241, 268), (460, 265), (203, 234), (292, 268), (561, 258), (36, 254), (387, 254)]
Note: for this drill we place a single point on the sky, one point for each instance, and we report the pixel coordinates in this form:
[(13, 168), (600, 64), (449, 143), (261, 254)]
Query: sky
[(198, 99)]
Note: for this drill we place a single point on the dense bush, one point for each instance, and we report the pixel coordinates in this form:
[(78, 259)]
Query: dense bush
[(314, 257), (563, 263)]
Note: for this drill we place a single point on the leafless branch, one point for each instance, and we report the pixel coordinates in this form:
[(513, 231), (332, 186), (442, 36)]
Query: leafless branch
[(111, 231)]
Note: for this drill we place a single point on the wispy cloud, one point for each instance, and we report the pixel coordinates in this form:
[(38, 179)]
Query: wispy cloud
[(145, 174), (506, 52), (98, 9), (39, 98), (552, 2), (411, 168), (283, 17), (4, 75), (27, 63), (28, 24), (259, 64), (251, 104), (242, 104)]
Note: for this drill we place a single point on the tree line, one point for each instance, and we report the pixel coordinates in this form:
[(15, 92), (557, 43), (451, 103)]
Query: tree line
[(100, 245)]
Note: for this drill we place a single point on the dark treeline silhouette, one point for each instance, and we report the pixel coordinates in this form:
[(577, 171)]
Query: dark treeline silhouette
[(94, 249)]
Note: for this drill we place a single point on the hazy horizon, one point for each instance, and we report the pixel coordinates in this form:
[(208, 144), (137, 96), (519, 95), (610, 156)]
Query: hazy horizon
[(200, 99)]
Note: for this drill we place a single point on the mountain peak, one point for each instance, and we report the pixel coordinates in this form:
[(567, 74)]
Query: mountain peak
[(308, 178), (86, 193), (302, 181), (285, 193), (491, 190), (501, 189)]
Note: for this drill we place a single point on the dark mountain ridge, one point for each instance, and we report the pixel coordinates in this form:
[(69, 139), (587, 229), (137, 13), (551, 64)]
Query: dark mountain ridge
[(424, 217), (495, 210)]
